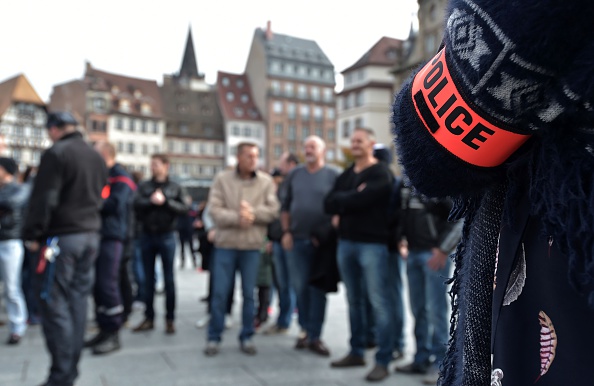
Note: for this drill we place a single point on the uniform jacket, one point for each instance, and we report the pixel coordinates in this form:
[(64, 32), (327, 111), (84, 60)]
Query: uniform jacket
[(118, 197)]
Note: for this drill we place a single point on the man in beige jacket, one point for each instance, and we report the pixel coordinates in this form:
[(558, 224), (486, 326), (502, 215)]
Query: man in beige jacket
[(242, 202)]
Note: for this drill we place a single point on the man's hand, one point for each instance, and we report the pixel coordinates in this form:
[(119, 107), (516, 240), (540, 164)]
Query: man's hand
[(335, 221), (210, 236), (158, 198), (246, 214), (269, 247), (361, 187), (287, 241), (403, 249), (438, 259)]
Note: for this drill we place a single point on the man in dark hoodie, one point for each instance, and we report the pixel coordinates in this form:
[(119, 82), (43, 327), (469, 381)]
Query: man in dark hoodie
[(64, 217), (118, 196)]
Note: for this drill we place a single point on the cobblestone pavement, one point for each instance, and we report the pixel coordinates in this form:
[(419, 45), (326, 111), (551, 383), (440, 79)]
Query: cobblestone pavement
[(153, 358)]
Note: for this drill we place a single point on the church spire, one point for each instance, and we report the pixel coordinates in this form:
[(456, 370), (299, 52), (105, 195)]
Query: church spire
[(189, 66)]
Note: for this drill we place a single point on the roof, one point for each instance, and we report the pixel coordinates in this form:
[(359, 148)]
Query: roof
[(134, 89), (189, 66), (18, 89), (235, 97), (386, 52)]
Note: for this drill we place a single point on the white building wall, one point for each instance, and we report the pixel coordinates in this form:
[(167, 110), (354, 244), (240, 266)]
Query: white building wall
[(258, 136), (25, 137)]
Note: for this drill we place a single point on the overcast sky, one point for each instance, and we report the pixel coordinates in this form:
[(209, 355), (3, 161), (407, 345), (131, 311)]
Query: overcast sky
[(49, 41)]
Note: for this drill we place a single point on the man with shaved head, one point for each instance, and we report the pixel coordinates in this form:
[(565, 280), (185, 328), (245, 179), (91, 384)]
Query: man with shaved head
[(117, 196), (302, 212)]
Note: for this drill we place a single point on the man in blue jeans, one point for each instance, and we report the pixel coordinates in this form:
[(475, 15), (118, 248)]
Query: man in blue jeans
[(361, 197), (159, 203), (302, 213), (62, 224), (242, 202), (430, 238)]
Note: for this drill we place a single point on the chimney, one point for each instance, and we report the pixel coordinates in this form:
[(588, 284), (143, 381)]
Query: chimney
[(268, 31)]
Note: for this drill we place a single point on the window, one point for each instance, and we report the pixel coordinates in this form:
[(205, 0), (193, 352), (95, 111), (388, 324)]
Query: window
[(304, 112), (156, 149), (218, 149), (361, 74), (359, 99), (225, 81), (144, 149), (235, 130), (125, 105), (275, 87), (155, 128), (145, 109), (120, 147), (132, 125), (230, 96), (291, 110), (36, 156), (330, 113), (318, 113), (328, 94), (182, 108), (37, 133), (185, 168), (171, 146), (131, 147), (292, 132), (183, 128), (245, 98), (278, 151), (302, 91), (238, 111), (96, 126), (348, 79), (278, 129), (289, 89), (358, 123), (119, 124), (143, 126), (203, 149), (315, 93), (331, 134), (319, 132), (305, 132), (17, 154), (330, 154), (99, 104), (346, 129), (247, 131), (328, 74), (277, 107), (239, 83), (187, 147)]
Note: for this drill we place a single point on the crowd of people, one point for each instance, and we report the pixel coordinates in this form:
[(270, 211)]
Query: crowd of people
[(82, 226)]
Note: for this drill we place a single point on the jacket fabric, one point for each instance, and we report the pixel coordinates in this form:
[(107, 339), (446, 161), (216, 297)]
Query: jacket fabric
[(66, 195), (157, 219), (425, 224), (13, 198), (225, 196), (118, 197)]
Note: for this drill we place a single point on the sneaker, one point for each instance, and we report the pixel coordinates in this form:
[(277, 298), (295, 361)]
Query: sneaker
[(318, 347), (110, 344), (201, 323), (276, 330), (247, 347), (378, 373), (348, 361), (212, 348), (100, 337), (14, 339), (146, 325), (169, 327), (414, 368), (228, 321)]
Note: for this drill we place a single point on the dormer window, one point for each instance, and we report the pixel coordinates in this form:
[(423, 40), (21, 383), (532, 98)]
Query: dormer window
[(145, 109), (125, 105), (245, 98), (137, 94), (225, 81), (230, 96), (115, 89), (239, 83)]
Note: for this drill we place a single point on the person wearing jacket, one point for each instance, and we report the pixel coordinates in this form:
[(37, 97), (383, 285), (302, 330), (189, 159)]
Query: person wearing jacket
[(242, 202), (360, 198), (430, 239), (63, 216), (117, 195), (159, 202), (13, 198)]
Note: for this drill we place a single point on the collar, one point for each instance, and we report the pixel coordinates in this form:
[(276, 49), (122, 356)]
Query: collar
[(253, 175), (74, 134)]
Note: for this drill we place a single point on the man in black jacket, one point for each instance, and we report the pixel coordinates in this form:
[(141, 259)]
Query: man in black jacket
[(63, 216), (361, 197), (13, 198), (158, 203), (118, 196)]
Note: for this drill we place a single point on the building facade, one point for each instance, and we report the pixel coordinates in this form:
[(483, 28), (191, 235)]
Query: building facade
[(123, 110), (194, 137), (292, 83), (368, 93), (22, 122), (243, 122)]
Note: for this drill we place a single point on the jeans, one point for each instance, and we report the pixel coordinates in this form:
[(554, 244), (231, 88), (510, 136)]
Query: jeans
[(27, 279), (429, 305), (395, 269), (311, 301), (364, 270), (138, 270), (11, 263), (162, 244), (286, 295), (64, 312), (225, 263), (108, 299)]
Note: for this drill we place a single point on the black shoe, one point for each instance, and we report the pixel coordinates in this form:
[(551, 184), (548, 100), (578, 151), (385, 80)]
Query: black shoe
[(100, 337), (318, 347), (110, 344), (348, 361), (146, 325), (14, 339), (414, 368), (378, 373)]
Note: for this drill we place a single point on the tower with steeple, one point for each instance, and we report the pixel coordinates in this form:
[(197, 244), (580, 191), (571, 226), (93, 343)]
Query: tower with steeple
[(188, 75)]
